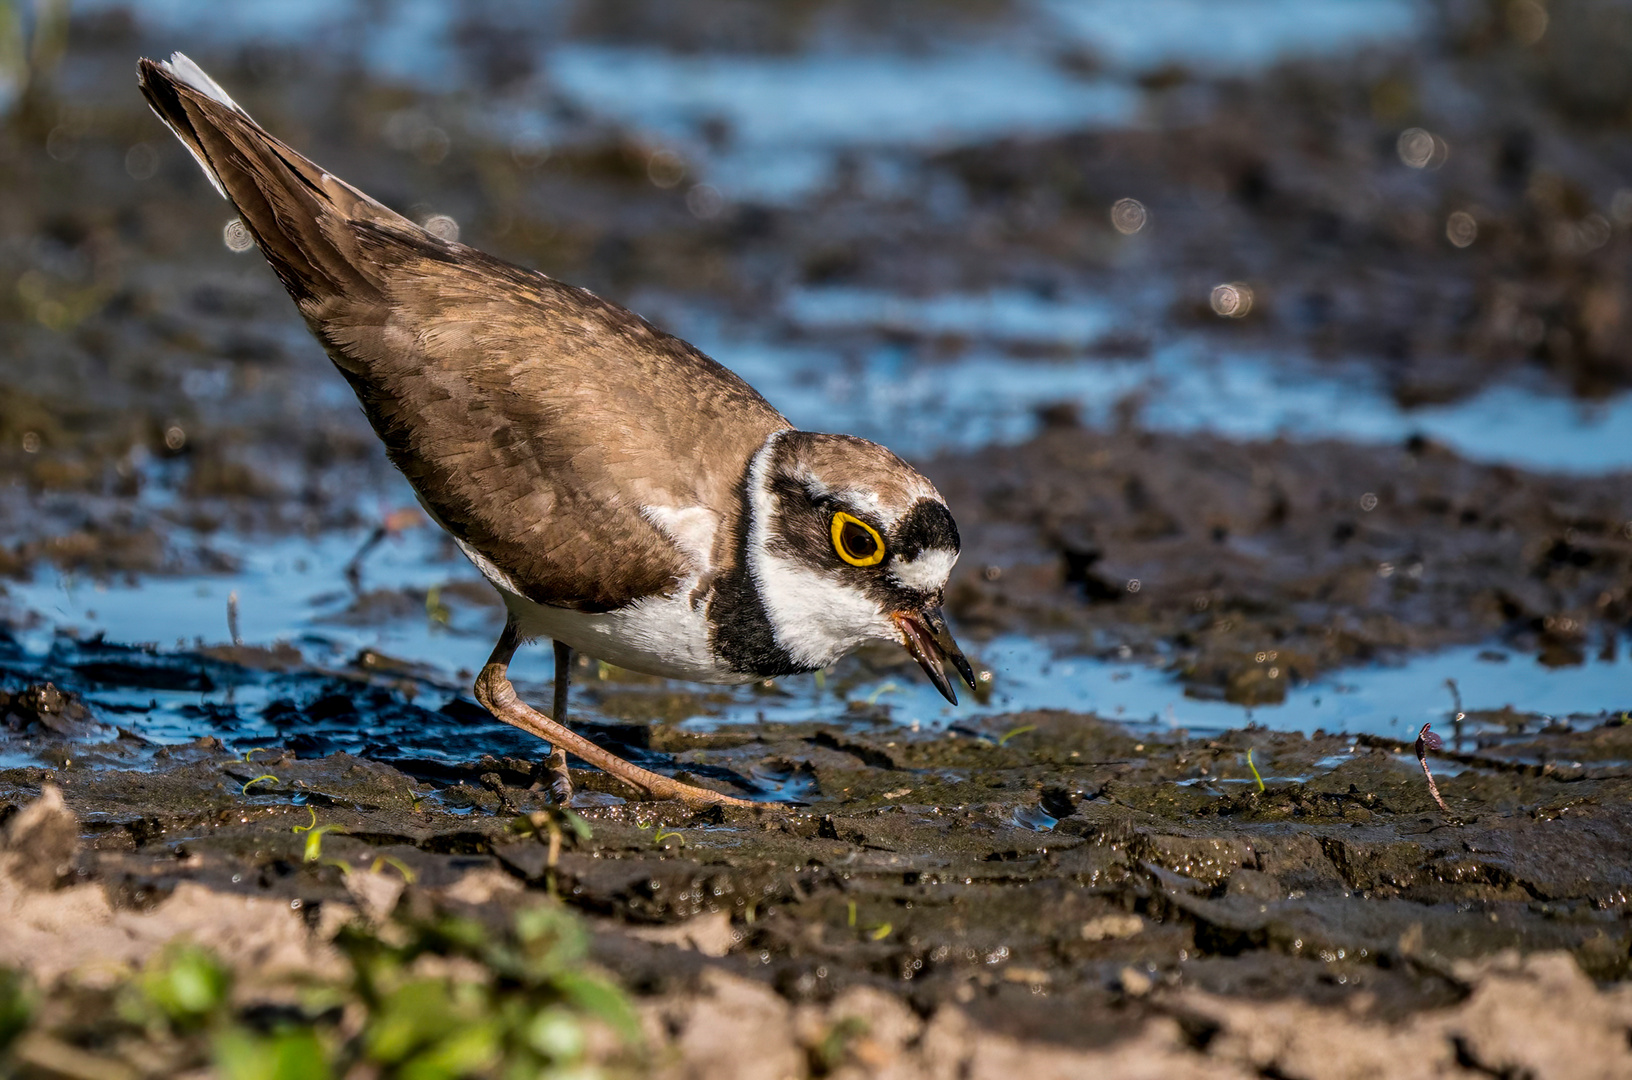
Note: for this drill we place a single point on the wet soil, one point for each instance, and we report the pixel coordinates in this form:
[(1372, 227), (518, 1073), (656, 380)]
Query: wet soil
[(1245, 566), (1046, 891), (1047, 876)]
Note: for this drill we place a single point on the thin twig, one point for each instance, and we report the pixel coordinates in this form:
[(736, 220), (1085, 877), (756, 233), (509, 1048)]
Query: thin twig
[(1426, 741)]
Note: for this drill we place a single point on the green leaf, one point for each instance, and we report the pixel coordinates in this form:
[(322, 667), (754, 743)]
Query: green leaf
[(472, 1049), (15, 1006), (295, 1054), (186, 983), (556, 1034), (601, 1000), (408, 1018), (580, 827)]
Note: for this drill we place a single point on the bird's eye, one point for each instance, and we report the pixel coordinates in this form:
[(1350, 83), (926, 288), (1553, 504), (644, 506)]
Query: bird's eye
[(857, 542)]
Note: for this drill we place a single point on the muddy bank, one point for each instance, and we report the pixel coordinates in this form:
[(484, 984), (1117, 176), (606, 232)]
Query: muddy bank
[(1042, 888), (1245, 565)]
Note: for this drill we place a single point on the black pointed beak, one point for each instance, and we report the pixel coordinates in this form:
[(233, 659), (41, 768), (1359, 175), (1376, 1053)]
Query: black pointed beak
[(926, 637)]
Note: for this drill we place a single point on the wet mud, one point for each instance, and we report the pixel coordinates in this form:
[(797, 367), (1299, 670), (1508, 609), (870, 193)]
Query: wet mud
[(1050, 891), (1047, 876), (1247, 566)]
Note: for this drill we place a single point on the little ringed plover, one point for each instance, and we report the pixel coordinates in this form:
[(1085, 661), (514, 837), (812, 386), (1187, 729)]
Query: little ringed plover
[(627, 496)]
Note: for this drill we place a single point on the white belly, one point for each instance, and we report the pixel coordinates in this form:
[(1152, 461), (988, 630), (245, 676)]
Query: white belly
[(665, 636)]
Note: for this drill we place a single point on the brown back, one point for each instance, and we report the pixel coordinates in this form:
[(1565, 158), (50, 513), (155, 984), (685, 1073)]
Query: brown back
[(533, 418)]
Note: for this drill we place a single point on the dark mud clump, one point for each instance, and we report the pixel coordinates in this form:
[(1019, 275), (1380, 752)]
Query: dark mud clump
[(1252, 564), (1047, 877)]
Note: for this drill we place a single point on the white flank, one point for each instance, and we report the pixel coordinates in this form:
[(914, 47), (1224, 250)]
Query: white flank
[(660, 635)]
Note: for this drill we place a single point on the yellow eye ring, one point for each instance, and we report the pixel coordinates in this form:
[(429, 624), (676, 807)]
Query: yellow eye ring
[(857, 549)]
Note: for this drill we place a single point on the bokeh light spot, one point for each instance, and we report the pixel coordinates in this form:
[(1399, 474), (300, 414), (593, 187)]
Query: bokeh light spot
[(1128, 216), (1422, 149), (141, 161), (1232, 300), (235, 234), (442, 226), (665, 168), (1461, 229), (705, 201)]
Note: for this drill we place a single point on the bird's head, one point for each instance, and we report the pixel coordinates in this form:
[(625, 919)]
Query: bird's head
[(847, 543)]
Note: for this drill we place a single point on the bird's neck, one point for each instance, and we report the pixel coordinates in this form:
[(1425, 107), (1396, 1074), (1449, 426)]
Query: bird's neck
[(739, 621)]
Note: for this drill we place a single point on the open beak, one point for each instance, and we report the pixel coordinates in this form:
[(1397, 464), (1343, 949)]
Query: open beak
[(926, 637)]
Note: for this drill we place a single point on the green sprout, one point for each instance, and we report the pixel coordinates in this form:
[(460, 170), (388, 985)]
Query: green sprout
[(835, 1044), (252, 751), (435, 609), (314, 838), (395, 863), (851, 905), (251, 783), (887, 688), (1012, 732), (880, 932), (1254, 769), (659, 836)]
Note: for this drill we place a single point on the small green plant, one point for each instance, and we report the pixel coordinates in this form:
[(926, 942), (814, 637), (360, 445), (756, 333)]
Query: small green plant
[(396, 864), (290, 1054), (1254, 768), (183, 984), (435, 610), (551, 827), (830, 1053), (659, 836), (509, 1001), (264, 777), (887, 688), (314, 838), (880, 932), (16, 1006), (252, 751), (1012, 732)]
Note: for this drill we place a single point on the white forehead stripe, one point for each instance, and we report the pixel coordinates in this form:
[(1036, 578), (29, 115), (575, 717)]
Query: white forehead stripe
[(927, 572)]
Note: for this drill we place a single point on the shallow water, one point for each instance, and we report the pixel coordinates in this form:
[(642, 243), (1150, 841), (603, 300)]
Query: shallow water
[(1188, 383), (293, 590)]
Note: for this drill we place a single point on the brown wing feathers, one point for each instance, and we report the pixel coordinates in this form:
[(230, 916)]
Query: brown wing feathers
[(534, 419), (295, 210)]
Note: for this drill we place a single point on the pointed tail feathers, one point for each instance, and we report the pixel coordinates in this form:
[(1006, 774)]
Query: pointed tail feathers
[(299, 214)]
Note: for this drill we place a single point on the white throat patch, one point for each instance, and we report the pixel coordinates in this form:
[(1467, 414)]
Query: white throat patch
[(816, 619)]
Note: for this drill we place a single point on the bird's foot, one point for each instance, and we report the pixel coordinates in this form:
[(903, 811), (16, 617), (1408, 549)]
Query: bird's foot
[(498, 696), (551, 775)]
